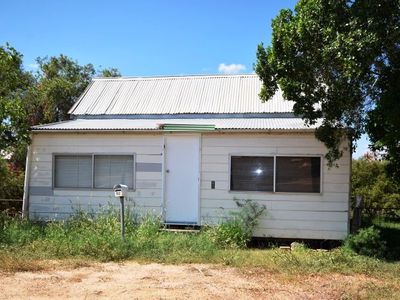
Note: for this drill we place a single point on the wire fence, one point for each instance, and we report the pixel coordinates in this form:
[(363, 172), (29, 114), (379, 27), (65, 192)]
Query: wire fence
[(11, 200), (11, 207)]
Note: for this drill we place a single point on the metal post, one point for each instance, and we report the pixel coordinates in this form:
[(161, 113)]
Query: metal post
[(122, 218), (357, 214)]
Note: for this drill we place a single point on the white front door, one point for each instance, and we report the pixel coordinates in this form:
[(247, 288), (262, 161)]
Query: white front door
[(182, 163)]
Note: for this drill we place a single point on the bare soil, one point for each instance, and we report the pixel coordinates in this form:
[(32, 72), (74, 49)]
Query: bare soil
[(132, 280)]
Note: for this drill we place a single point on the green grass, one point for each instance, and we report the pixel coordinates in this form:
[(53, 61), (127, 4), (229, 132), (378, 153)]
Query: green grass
[(25, 245)]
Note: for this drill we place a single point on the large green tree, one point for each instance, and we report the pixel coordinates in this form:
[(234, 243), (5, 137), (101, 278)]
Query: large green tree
[(339, 61), (381, 195), (14, 85), (27, 99), (61, 81)]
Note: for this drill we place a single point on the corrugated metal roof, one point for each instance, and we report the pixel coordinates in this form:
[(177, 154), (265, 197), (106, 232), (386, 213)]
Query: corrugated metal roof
[(216, 94), (156, 124)]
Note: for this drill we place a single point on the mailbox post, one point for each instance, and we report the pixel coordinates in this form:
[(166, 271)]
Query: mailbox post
[(121, 191)]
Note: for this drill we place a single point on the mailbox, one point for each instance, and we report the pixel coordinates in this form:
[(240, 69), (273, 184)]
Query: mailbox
[(120, 190)]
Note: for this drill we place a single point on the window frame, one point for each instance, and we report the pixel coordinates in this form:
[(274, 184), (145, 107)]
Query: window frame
[(321, 157), (92, 154), (253, 155)]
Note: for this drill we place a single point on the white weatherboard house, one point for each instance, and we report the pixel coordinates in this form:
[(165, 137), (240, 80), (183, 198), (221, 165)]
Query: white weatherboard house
[(187, 147)]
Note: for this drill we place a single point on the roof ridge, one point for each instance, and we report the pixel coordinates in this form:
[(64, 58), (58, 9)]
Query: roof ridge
[(193, 76)]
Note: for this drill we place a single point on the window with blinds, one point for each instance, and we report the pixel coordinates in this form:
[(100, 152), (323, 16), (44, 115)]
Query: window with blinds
[(110, 170), (73, 171), (93, 171)]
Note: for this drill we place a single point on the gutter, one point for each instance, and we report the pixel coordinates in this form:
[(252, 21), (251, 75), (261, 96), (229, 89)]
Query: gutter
[(305, 130), (25, 201)]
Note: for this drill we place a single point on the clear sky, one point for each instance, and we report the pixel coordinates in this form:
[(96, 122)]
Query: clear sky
[(143, 38)]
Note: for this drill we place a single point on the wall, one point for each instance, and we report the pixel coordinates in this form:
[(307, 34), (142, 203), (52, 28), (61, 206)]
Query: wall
[(319, 216), (48, 203)]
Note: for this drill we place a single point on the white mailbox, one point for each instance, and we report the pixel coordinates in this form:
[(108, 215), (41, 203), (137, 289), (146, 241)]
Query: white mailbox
[(120, 190)]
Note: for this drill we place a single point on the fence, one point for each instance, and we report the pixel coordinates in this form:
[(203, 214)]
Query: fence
[(11, 206)]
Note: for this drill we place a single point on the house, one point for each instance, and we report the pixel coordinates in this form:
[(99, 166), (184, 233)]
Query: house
[(187, 147)]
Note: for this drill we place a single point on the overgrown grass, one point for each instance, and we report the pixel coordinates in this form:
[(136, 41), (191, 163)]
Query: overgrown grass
[(25, 245)]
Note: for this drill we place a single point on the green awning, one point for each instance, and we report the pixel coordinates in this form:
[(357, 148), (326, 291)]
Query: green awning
[(187, 127)]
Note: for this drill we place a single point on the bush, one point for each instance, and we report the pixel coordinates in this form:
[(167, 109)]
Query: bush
[(229, 234), (237, 231), (367, 242), (18, 231)]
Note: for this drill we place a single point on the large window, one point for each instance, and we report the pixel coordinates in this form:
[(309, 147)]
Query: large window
[(296, 174), (93, 171), (73, 171), (113, 169), (252, 173)]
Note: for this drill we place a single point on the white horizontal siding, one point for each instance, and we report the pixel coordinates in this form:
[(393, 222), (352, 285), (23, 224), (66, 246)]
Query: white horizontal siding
[(305, 234), (289, 215), (63, 202)]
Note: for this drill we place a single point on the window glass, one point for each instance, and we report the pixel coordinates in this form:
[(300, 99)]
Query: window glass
[(110, 170), (298, 174), (252, 173), (73, 171)]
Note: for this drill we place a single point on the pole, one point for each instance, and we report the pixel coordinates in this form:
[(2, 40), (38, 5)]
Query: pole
[(122, 218)]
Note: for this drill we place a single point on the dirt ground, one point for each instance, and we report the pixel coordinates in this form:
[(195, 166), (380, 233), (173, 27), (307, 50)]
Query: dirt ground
[(195, 281)]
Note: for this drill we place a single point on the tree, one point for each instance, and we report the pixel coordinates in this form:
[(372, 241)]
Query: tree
[(111, 72), (13, 88), (60, 83), (14, 137), (338, 60), (381, 195), (27, 100)]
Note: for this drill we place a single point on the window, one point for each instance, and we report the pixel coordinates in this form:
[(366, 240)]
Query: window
[(113, 169), (93, 171), (298, 174), (73, 171), (252, 173)]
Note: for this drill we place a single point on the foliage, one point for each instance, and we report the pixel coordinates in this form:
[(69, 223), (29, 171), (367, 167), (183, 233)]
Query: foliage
[(14, 84), (12, 185), (229, 234), (83, 240), (238, 229), (111, 72), (368, 242), (339, 62), (381, 195), (390, 232), (27, 99), (61, 82)]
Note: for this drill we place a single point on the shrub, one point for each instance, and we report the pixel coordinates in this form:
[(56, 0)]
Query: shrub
[(238, 229), (18, 231), (229, 234), (367, 242)]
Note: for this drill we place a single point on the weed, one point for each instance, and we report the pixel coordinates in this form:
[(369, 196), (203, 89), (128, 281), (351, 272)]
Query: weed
[(237, 230)]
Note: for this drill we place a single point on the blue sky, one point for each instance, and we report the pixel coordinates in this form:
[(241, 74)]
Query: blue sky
[(143, 38)]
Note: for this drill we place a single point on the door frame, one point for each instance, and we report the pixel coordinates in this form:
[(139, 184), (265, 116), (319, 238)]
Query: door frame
[(163, 179)]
